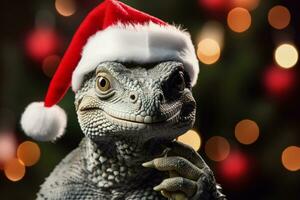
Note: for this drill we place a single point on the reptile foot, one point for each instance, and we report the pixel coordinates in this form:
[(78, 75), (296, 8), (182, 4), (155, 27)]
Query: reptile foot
[(189, 175)]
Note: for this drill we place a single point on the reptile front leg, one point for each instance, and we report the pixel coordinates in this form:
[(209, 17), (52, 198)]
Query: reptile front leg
[(190, 177)]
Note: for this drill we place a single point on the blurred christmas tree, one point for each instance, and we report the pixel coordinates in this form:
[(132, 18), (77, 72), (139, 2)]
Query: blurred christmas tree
[(248, 117)]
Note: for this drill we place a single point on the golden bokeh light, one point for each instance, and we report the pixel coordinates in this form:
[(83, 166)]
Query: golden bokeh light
[(290, 158), (248, 4), (191, 138), (286, 56), (65, 8), (29, 153), (246, 131), (208, 51), (217, 148), (279, 17), (14, 169), (212, 30), (50, 65), (239, 19)]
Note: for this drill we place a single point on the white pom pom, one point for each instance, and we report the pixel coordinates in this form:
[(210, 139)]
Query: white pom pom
[(43, 123)]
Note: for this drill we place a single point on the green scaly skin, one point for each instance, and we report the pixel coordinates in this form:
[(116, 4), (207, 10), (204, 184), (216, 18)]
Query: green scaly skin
[(129, 151)]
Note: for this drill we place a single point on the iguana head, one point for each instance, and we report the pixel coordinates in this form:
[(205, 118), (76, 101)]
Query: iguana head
[(153, 101), (115, 99)]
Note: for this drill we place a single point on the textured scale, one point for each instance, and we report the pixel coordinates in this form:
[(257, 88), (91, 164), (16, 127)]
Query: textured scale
[(84, 171), (123, 128)]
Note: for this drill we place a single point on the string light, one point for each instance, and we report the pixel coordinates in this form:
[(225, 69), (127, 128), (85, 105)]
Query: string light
[(65, 8), (29, 153), (290, 158), (239, 19), (209, 51), (50, 65), (279, 17), (217, 148), (286, 55), (246, 131), (191, 138), (14, 169)]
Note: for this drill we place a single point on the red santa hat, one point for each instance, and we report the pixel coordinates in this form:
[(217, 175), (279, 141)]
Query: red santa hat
[(112, 31)]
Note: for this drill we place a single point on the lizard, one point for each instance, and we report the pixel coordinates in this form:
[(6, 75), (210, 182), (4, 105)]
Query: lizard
[(132, 75), (130, 116)]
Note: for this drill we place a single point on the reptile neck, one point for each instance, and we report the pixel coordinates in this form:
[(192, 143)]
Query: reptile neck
[(118, 162)]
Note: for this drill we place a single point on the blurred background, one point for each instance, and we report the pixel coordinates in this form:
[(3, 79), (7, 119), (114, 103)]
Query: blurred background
[(248, 117)]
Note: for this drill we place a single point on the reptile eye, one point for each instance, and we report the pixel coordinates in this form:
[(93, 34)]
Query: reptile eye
[(177, 81), (103, 84)]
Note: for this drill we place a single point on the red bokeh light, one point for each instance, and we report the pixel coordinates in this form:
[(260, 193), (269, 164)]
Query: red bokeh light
[(41, 42), (278, 81), (226, 5), (235, 167), (215, 5)]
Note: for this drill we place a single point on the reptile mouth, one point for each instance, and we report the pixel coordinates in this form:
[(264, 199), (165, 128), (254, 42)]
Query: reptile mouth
[(133, 118), (131, 124), (142, 120)]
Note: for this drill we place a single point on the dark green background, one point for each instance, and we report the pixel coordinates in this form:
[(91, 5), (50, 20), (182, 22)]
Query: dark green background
[(226, 92)]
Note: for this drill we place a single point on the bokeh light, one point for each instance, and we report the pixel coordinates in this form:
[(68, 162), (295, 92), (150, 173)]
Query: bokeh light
[(29, 153), (279, 17), (7, 147), (291, 158), (14, 169), (214, 5), (246, 131), (208, 51), (286, 55), (278, 81), (65, 8), (191, 138), (41, 43), (50, 65), (217, 148), (235, 167), (212, 30), (248, 4), (239, 19)]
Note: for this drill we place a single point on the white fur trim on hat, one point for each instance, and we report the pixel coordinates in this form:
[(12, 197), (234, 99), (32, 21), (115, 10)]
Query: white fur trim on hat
[(43, 123), (139, 43)]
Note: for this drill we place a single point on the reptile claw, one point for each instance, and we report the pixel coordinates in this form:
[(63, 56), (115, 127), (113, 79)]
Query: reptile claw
[(149, 164)]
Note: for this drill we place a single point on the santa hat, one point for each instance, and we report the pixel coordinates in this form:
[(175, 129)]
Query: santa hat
[(112, 31)]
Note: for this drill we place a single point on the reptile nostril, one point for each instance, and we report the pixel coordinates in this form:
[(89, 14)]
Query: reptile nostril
[(132, 97)]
